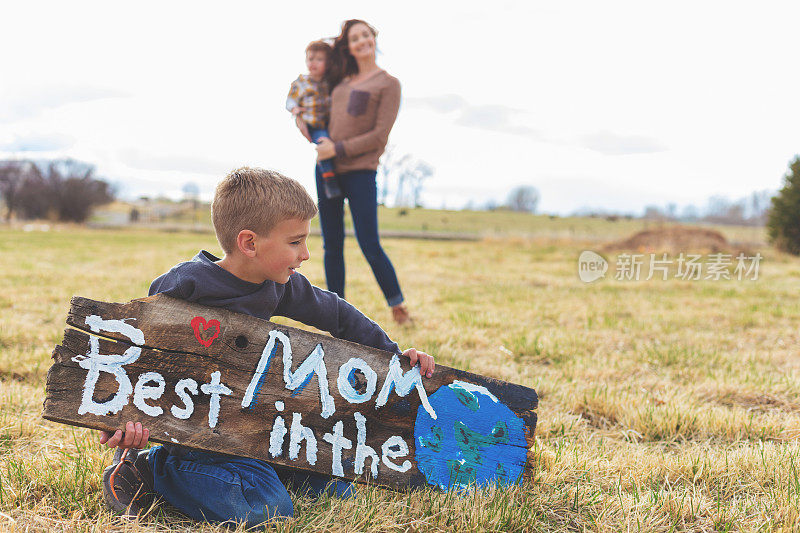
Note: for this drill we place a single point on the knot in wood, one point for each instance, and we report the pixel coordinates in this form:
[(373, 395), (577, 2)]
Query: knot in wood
[(241, 342)]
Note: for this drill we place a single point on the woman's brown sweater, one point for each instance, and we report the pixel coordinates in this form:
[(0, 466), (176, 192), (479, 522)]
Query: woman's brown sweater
[(362, 115)]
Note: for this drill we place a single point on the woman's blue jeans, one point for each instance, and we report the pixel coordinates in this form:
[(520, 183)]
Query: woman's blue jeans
[(221, 488), (361, 191)]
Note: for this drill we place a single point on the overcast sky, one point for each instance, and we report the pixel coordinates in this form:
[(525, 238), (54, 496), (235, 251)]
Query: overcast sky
[(610, 104)]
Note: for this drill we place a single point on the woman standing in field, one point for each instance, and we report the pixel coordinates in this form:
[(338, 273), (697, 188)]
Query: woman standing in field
[(364, 104)]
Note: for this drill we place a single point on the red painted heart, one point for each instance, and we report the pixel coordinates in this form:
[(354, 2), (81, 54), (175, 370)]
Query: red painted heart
[(202, 328)]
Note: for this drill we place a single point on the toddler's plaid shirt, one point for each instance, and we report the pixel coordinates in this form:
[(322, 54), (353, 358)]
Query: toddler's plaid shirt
[(314, 97)]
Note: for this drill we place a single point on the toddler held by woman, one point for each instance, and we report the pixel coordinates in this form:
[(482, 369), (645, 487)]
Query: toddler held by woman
[(309, 101)]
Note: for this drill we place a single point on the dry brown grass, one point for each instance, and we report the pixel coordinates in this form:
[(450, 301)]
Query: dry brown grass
[(664, 405)]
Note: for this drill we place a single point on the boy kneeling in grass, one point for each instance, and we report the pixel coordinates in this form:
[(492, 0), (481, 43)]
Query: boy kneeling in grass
[(262, 220)]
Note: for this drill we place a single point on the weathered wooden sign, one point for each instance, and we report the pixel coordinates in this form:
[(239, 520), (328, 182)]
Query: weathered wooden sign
[(211, 379)]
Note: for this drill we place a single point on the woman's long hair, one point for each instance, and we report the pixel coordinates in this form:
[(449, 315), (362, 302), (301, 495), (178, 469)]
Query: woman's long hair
[(341, 62)]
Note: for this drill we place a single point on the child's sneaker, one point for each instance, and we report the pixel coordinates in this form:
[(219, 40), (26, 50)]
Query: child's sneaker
[(128, 482), (332, 189)]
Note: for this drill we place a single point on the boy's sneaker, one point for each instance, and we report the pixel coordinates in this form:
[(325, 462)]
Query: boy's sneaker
[(332, 189), (128, 482)]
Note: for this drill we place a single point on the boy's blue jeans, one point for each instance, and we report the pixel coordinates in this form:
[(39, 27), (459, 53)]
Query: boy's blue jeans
[(361, 191), (220, 488), (326, 165)]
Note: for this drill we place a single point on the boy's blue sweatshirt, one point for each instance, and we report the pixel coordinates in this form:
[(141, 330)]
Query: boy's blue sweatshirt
[(201, 280)]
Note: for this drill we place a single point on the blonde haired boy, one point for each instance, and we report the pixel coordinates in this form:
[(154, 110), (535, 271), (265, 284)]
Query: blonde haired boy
[(262, 220)]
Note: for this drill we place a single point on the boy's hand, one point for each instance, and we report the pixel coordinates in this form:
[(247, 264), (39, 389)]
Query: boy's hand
[(426, 364), (301, 125), (297, 110), (134, 436)]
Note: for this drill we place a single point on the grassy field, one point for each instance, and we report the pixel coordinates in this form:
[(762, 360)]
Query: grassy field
[(664, 405)]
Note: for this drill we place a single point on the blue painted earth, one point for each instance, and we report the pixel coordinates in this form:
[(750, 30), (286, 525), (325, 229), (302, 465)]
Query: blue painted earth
[(475, 440)]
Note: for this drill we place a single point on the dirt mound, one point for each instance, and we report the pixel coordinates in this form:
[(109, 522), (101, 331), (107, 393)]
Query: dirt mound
[(673, 239)]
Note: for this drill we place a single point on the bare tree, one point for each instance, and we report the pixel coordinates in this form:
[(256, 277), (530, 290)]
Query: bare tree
[(75, 190), (723, 211), (759, 206), (717, 209), (388, 167), (401, 181), (11, 176), (35, 196), (64, 188), (409, 173), (653, 212), (524, 198), (418, 172), (411, 176), (672, 210), (689, 213), (400, 164)]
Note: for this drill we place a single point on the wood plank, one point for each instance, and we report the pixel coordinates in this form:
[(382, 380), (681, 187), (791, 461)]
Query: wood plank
[(264, 390)]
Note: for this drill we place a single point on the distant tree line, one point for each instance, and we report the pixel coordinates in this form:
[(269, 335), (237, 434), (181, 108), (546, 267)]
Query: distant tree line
[(65, 190), (751, 210), (406, 176), (520, 199)]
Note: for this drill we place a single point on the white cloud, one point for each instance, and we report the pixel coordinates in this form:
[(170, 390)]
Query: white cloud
[(38, 142), (610, 143), (492, 117), (27, 102), (141, 160)]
